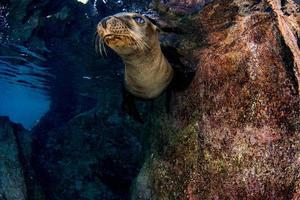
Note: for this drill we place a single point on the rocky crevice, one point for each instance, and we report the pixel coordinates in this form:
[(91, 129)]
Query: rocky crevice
[(288, 16)]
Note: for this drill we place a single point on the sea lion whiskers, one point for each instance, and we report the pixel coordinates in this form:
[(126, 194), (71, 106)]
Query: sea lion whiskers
[(102, 47), (99, 44), (96, 42), (135, 36), (139, 39)]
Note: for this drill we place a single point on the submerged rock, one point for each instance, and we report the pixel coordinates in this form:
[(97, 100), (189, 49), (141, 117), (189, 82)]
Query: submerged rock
[(234, 133), (12, 181), (181, 7), (93, 156)]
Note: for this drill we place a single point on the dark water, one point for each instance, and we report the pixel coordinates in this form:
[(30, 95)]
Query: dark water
[(32, 75), (54, 84)]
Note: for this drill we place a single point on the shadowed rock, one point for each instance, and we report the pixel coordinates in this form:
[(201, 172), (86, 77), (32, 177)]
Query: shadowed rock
[(12, 182), (91, 157)]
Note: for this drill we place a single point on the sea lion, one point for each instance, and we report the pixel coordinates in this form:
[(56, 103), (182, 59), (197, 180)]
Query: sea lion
[(136, 40)]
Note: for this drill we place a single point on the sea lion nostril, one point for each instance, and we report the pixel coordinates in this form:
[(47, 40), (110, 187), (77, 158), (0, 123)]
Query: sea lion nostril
[(103, 22)]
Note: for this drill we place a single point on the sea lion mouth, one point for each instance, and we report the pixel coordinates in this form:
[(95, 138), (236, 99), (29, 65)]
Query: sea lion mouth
[(111, 39), (118, 34), (116, 37), (108, 37), (113, 36)]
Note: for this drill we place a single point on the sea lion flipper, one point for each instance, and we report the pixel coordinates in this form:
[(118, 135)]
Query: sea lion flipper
[(129, 106)]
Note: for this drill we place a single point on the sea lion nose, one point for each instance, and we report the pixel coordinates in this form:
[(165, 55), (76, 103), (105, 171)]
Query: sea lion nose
[(103, 21)]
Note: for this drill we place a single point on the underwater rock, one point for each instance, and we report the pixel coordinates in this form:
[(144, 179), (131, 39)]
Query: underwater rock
[(93, 156), (181, 7), (17, 11), (234, 133), (12, 181)]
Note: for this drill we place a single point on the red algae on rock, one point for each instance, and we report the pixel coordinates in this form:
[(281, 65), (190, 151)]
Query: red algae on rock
[(182, 7), (234, 133)]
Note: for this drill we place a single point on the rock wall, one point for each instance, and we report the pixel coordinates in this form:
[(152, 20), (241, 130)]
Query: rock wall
[(12, 181), (234, 132), (181, 7)]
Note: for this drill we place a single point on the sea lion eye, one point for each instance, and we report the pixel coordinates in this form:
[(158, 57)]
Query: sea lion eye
[(139, 20)]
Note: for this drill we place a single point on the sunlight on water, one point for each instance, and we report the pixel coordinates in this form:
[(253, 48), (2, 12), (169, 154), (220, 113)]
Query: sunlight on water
[(83, 1)]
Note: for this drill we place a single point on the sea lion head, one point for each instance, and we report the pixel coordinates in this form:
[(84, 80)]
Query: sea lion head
[(127, 33)]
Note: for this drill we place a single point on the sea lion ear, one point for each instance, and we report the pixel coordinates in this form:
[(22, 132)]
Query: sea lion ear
[(163, 28), (156, 28), (151, 20), (154, 23)]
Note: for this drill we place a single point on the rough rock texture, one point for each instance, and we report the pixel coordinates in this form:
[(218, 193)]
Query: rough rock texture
[(12, 181), (94, 156), (181, 7), (234, 133), (288, 16)]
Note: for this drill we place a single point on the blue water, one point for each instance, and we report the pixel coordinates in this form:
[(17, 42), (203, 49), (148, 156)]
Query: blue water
[(23, 105), (25, 82), (27, 77), (24, 85)]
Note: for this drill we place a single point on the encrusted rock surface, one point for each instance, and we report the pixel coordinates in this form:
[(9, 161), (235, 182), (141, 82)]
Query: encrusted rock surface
[(234, 133), (181, 7)]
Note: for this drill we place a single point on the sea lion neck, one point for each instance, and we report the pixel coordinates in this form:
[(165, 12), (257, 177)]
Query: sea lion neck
[(142, 57), (147, 74)]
